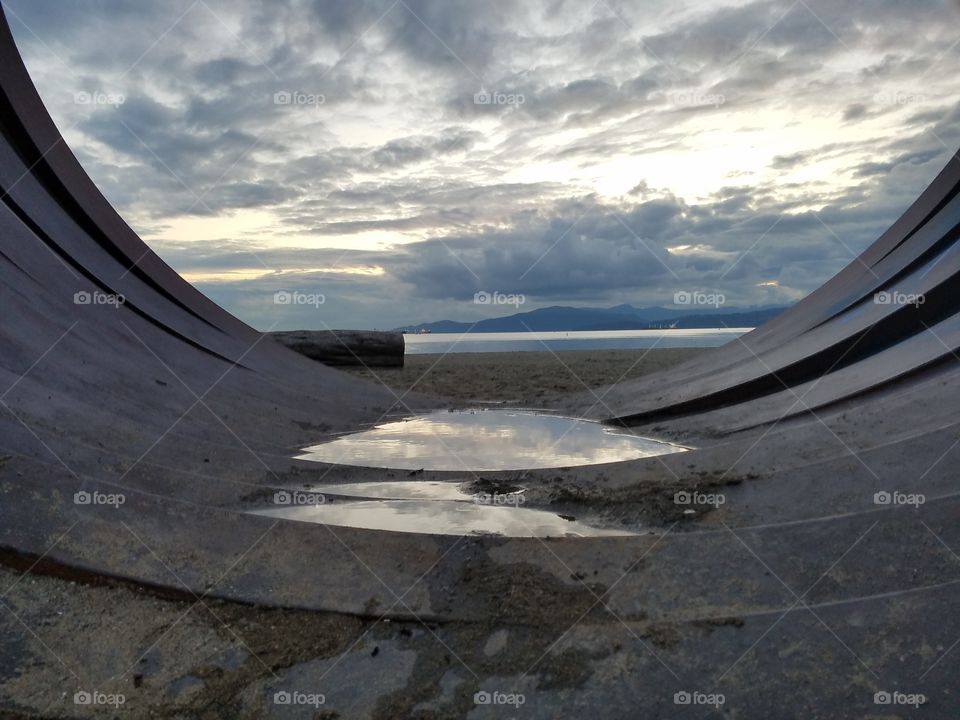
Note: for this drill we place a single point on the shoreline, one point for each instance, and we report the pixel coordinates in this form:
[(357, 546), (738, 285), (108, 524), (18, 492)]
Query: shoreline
[(574, 340)]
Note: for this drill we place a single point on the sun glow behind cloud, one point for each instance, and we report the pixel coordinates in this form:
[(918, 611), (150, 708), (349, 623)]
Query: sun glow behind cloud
[(658, 145)]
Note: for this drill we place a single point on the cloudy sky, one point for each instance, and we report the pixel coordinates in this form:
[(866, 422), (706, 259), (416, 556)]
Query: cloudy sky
[(397, 157)]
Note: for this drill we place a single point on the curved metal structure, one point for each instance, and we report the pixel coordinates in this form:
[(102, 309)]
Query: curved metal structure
[(816, 580)]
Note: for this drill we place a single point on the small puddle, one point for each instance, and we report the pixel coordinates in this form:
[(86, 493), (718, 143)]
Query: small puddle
[(486, 440), (441, 517), (430, 507), (400, 490)]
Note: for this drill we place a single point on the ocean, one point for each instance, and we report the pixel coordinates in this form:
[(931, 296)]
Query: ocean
[(556, 341)]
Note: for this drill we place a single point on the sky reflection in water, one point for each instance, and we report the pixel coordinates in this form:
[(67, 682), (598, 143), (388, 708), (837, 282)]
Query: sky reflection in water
[(440, 517), (486, 440)]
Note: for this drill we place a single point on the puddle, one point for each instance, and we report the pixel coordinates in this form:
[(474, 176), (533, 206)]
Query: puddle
[(440, 517), (402, 490), (425, 506), (486, 440)]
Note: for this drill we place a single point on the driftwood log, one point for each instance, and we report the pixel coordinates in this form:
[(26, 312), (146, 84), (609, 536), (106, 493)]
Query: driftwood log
[(346, 347)]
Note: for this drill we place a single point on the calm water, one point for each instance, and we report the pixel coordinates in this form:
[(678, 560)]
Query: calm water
[(470, 441), (593, 340), (477, 440), (438, 508)]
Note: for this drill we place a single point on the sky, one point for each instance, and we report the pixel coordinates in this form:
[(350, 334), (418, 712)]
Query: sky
[(376, 163)]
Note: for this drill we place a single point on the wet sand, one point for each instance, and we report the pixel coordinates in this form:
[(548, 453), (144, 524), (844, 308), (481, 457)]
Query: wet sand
[(524, 378)]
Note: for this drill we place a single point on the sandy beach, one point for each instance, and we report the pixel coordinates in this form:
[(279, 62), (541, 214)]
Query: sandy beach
[(523, 378)]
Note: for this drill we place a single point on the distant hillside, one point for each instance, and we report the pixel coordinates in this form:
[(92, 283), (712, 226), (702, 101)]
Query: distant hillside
[(621, 317)]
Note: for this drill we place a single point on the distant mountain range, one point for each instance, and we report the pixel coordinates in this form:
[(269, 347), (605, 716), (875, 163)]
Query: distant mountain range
[(621, 317)]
